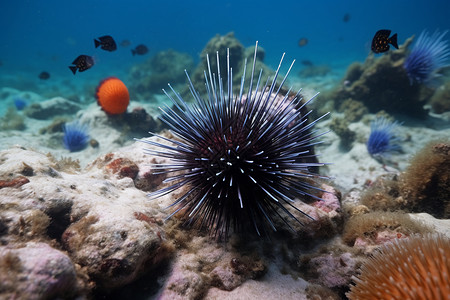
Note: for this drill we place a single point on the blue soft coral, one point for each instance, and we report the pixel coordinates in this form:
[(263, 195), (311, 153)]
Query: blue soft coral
[(76, 136), (383, 140), (429, 54)]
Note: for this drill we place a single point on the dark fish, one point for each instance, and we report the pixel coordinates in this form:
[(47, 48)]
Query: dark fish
[(302, 42), (125, 43), (381, 41), (346, 18), (44, 75), (106, 42), (140, 50), (307, 63), (82, 63)]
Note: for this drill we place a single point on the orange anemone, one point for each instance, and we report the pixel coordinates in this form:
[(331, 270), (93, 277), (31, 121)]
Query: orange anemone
[(112, 96)]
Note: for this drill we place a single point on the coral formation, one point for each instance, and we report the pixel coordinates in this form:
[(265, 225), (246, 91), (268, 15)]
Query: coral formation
[(347, 136), (375, 227), (423, 187), (218, 45), (55, 107), (12, 120), (413, 268), (230, 149), (151, 76), (383, 84), (76, 136), (440, 101), (428, 56)]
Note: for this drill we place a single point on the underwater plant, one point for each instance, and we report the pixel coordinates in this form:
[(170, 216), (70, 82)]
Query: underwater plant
[(414, 268), (429, 55), (76, 136), (243, 158), (383, 140)]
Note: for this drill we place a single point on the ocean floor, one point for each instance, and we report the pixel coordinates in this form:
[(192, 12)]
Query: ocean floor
[(77, 225)]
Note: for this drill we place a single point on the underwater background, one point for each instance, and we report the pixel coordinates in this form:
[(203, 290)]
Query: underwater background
[(85, 210), (47, 36)]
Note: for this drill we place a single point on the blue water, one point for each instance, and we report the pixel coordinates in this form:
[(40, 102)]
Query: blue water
[(48, 35)]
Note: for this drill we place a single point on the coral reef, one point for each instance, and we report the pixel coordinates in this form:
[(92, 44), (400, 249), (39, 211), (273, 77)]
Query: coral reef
[(219, 44), (51, 108), (12, 120), (413, 268), (423, 187), (353, 110), (315, 71), (383, 84), (37, 271), (153, 75), (440, 101), (347, 136)]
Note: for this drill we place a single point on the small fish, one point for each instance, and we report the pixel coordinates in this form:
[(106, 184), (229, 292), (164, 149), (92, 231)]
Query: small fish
[(346, 17), (302, 42), (82, 63), (125, 43), (44, 75), (381, 41), (307, 63), (106, 42), (140, 50)]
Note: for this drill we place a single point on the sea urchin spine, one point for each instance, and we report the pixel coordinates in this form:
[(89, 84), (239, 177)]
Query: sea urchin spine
[(244, 158)]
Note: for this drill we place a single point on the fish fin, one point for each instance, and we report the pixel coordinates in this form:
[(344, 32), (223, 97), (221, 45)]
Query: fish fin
[(393, 41), (133, 52), (97, 43), (73, 69)]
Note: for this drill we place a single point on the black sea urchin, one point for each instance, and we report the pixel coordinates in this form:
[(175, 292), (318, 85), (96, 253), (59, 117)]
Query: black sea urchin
[(244, 158)]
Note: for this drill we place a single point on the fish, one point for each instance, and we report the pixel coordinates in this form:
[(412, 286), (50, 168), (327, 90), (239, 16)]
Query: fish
[(125, 43), (44, 75), (140, 50), (302, 42), (106, 42), (346, 17), (381, 41), (307, 63), (82, 63)]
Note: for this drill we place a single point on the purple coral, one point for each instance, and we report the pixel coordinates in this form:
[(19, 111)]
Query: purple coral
[(428, 56)]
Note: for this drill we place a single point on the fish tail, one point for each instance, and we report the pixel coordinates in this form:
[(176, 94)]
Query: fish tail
[(133, 52), (73, 69), (393, 41), (97, 43)]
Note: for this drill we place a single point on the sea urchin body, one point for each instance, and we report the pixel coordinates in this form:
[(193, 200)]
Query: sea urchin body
[(243, 158)]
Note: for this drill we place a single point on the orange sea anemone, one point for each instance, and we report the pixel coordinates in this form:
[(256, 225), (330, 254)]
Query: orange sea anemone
[(112, 96), (413, 268)]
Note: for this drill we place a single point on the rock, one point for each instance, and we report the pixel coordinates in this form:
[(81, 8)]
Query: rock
[(36, 271), (51, 108)]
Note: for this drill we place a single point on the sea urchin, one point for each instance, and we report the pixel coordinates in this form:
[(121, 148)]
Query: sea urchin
[(243, 158), (76, 136), (383, 139), (428, 56), (413, 268)]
